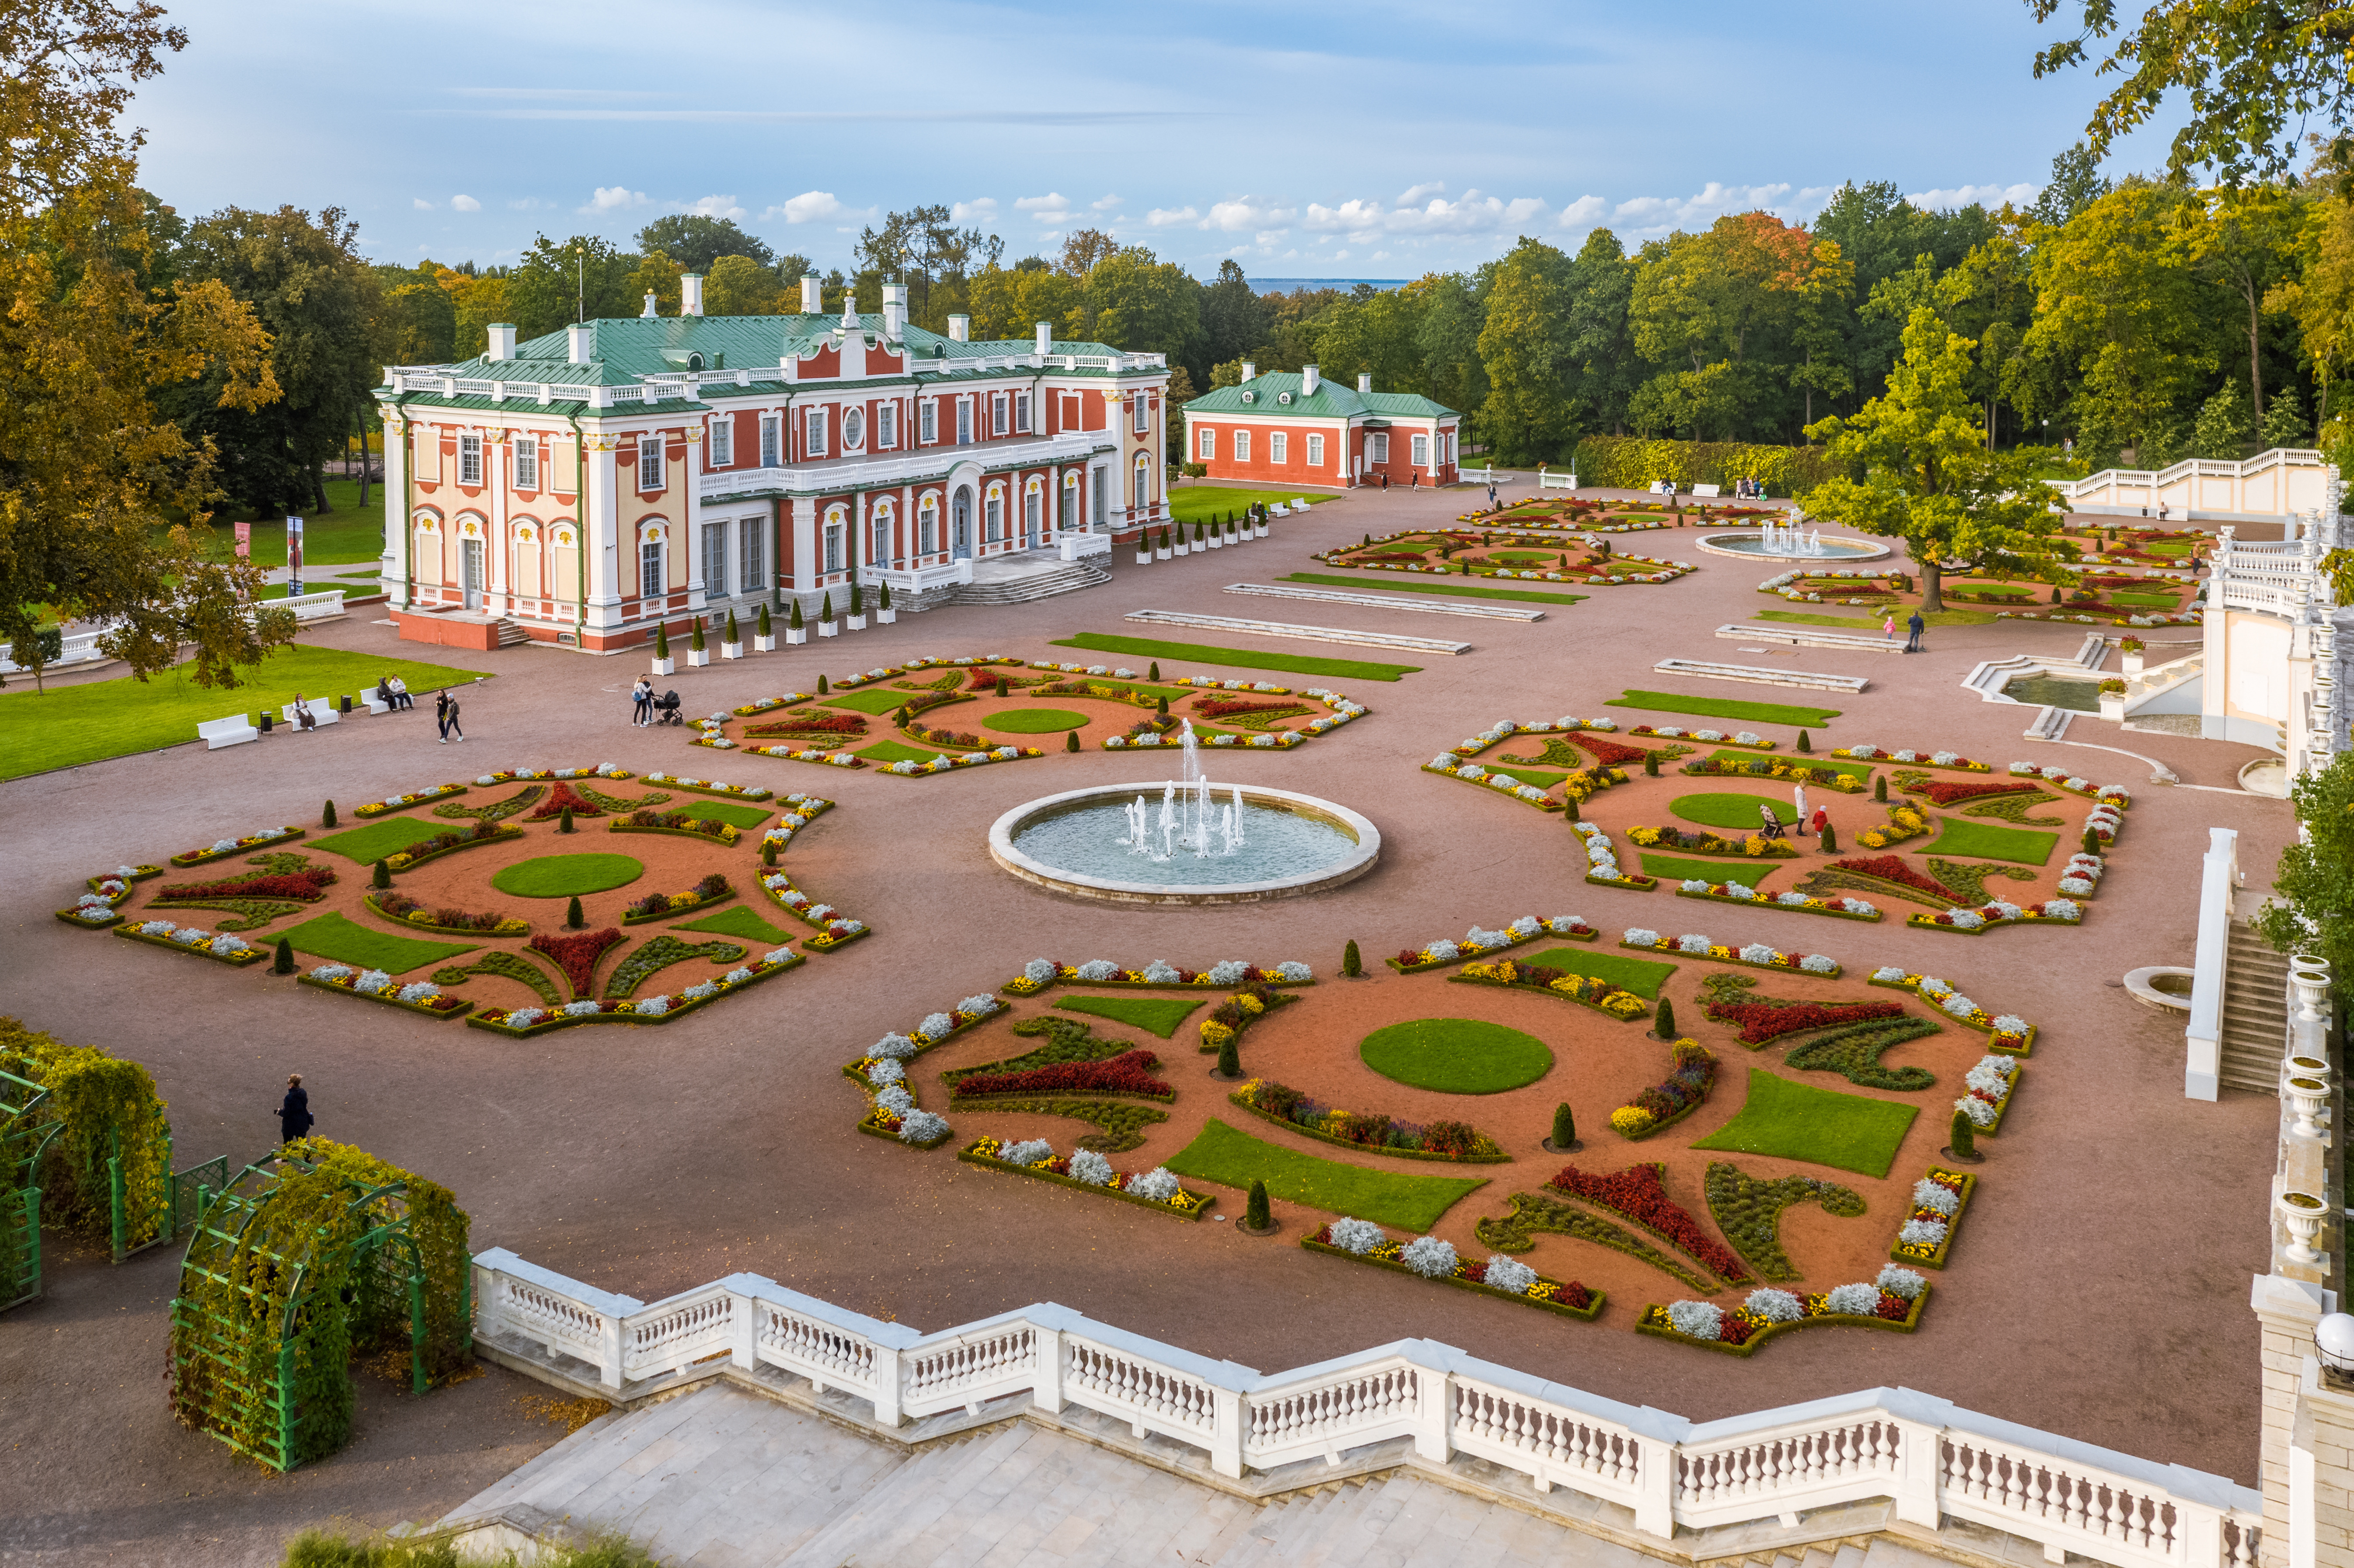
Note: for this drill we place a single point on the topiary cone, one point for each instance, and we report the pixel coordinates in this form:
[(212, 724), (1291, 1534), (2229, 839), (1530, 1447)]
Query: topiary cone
[(1002, 687), (1569, 807), (1829, 841), (1804, 743), (767, 852), (732, 634), (2092, 841), (1164, 708), (564, 821), (573, 918), (283, 964), (1071, 741), (1879, 788), (1651, 765), (763, 623), (1230, 1058), (1154, 673), (825, 606), (327, 817), (1255, 1212), (795, 621), (661, 641), (1564, 1129), (1352, 965), (382, 877), (1964, 1148), (820, 685)]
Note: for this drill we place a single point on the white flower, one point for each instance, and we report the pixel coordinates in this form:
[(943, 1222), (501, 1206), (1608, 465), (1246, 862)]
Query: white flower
[(2000, 909), (1691, 943), (1472, 771), (1799, 898), (1693, 885), (1853, 1300), (977, 1006), (1508, 1274), (1866, 752), (1977, 1110), (417, 992), (1965, 920), (1160, 1184), (1739, 890), (1748, 738), (2061, 909), (775, 955), (1698, 1320), (228, 946), (1038, 972), (1859, 906), (1636, 935), (2010, 1023), (1945, 758), (922, 1126), (1602, 725), (1904, 756), (1598, 848), (653, 1006), (1481, 941), (1916, 1233), (1759, 953), (1931, 986), (1563, 925), (1443, 951), (1928, 1194), (1959, 1005), (581, 1009), (1776, 1306), (1098, 969), (2055, 773), (1228, 972), (1430, 1256), (486, 779), (1901, 1281), (1707, 734), (887, 1071), (1161, 971), (1029, 1151), (1359, 1236), (324, 971), (1091, 1168), (2022, 769), (1294, 971), (700, 990), (2078, 885), (936, 1027), (525, 1017), (739, 976), (375, 982), (224, 846)]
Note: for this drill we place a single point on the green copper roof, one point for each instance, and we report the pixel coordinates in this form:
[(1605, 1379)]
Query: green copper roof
[(1330, 400)]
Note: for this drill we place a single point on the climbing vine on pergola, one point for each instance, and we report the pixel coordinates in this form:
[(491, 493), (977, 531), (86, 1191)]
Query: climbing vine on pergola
[(83, 1144)]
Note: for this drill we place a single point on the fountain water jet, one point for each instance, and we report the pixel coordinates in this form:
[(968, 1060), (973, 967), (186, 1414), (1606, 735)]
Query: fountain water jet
[(1190, 817)]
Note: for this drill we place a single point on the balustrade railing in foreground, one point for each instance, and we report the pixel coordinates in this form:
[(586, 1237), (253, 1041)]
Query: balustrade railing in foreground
[(1933, 1460)]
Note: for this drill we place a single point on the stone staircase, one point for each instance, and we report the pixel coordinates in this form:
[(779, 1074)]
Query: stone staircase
[(512, 635), (2255, 1012), (1033, 574)]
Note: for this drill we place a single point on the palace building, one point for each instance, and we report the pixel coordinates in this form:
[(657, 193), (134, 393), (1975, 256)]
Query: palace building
[(584, 487), (1281, 430)]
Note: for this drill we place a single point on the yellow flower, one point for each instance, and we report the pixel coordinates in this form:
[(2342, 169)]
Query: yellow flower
[(1629, 1120), (1251, 1004)]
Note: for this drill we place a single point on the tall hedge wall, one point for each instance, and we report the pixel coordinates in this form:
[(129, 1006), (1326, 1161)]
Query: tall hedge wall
[(1631, 463)]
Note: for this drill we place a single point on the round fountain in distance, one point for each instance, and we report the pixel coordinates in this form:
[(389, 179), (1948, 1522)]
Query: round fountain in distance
[(1184, 841), (1790, 542)]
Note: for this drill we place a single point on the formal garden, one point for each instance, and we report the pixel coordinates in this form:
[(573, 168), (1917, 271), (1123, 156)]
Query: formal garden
[(1565, 553)]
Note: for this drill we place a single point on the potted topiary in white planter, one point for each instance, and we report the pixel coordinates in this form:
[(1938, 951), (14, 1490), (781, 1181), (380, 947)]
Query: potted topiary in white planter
[(2132, 650), (732, 645), (883, 610), (826, 624), (795, 632), (1179, 547), (1217, 533), (764, 640), (1162, 553), (698, 655), (2112, 699), (857, 606), (1144, 548), (662, 662)]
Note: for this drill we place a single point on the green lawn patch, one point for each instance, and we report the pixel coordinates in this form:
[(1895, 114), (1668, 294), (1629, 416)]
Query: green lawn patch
[(1974, 839), (1724, 707), (1455, 1055), (873, 701), (1739, 811), (371, 842), (342, 941), (734, 813), (1238, 658), (1640, 976), (735, 920), (1809, 759), (1455, 590), (1871, 623), (2163, 600), (74, 725), (1201, 503), (1155, 1015), (1536, 775), (1036, 721), (347, 533), (1233, 1159), (1731, 868), (888, 751), (1794, 1121), (568, 875)]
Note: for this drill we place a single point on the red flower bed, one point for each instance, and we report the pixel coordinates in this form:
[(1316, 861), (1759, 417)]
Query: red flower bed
[(1130, 1072), (1609, 753), (1763, 1021), (577, 956), (1948, 791), (302, 885), (561, 797), (1892, 868), (1640, 1192), (1225, 707), (1402, 556)]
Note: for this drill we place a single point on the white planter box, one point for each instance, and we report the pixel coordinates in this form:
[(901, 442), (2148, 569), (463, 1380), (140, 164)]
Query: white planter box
[(2133, 663), (1217, 540), (1160, 552), (1143, 558), (665, 666), (888, 617), (731, 651), (796, 635), (2113, 706), (828, 628), (696, 658), (763, 644), (857, 623), (1262, 530), (1181, 549)]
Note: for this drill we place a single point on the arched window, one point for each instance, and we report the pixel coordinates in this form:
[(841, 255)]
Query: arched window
[(1143, 496), (836, 519), (993, 523), (1033, 499), (878, 524)]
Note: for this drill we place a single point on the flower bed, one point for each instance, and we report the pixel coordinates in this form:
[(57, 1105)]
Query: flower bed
[(1762, 1022), (711, 787), (1515, 1281), (838, 933), (374, 985), (1156, 1189), (308, 885), (2012, 1035), (1040, 973), (1660, 1107), (1692, 945), (1453, 1141), (1239, 1011), (1999, 914), (1938, 1200), (881, 1072), (1527, 929), (1953, 760), (405, 912), (575, 957), (822, 917), (1602, 861), (1736, 893), (1129, 1075), (2114, 795), (527, 1020), (546, 774), (1756, 846), (669, 905), (233, 846), (1991, 1083), (1905, 821), (562, 798), (1639, 1195), (402, 803), (1745, 739), (709, 829), (450, 842), (1775, 768), (907, 767), (1587, 991), (763, 705), (203, 944), (1447, 767), (97, 908), (1740, 1330), (1955, 791), (830, 758)]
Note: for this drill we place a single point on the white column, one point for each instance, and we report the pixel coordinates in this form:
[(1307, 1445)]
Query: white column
[(698, 592), (806, 564), (495, 472), (399, 540), (612, 551)]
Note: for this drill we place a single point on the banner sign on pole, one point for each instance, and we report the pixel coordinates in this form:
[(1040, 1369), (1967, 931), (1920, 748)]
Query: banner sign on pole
[(294, 558)]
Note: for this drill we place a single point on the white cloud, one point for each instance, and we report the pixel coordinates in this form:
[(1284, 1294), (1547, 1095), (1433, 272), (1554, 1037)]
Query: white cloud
[(1106, 205), (718, 206), (1648, 217), (981, 209), (465, 203), (1161, 216), (1052, 207), (1584, 213), (808, 207), (1363, 221), (421, 204), (1418, 193), (1249, 212), (614, 198), (1985, 195)]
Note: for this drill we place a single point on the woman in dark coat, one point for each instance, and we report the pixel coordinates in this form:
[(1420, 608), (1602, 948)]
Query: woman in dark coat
[(294, 1115)]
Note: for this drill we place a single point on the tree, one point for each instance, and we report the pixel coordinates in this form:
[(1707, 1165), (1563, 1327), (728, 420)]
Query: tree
[(417, 322), (696, 241), (1926, 477), (1527, 414), (2315, 876), (1235, 320), (1140, 303), (657, 275), (2319, 297), (1599, 336), (2076, 184), (923, 248), (740, 286), (580, 279), (2222, 429), (103, 498), (1083, 249), (2242, 241)]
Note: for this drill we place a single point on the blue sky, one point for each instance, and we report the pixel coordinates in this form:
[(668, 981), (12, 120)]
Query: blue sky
[(1367, 139)]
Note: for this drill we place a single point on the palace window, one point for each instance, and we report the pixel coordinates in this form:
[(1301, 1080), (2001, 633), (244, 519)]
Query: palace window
[(1422, 451), (833, 546), (650, 568), (1030, 514), (1022, 412), (814, 432), (1209, 442), (650, 462), (964, 421), (927, 524), (997, 413), (1143, 411), (470, 459), (878, 536), (996, 520), (526, 462), (752, 556), (1315, 451), (723, 441), (714, 560), (1241, 446), (927, 422), (771, 453), (1378, 446), (1278, 447), (886, 425), (853, 429)]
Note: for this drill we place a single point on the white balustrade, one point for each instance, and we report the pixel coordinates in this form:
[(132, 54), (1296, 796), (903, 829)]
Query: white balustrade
[(1931, 1458)]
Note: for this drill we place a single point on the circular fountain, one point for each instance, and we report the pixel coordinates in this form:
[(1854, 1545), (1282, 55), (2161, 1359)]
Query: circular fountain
[(1790, 542), (1184, 841)]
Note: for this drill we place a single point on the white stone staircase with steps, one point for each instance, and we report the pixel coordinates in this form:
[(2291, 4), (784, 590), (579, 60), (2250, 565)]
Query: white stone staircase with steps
[(512, 635), (2256, 1011), (1031, 575)]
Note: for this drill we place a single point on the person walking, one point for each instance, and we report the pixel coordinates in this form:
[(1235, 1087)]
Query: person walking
[(641, 698), (441, 714), (1800, 795), (1915, 626), (1821, 820), (1888, 628), (295, 1117), (450, 719)]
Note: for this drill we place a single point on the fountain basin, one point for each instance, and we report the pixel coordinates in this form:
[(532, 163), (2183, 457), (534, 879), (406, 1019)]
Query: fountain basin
[(1754, 542), (1293, 843)]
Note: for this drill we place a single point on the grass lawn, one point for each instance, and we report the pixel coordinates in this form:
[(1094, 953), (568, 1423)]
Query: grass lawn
[(733, 813), (874, 702), (1731, 868), (2162, 600), (1457, 590), (349, 533), (1739, 811), (1036, 721), (1724, 707), (1456, 1055), (1229, 1157), (1640, 976), (73, 724), (739, 921), (890, 751), (1871, 623), (1793, 1121), (342, 941), (568, 875), (1976, 840), (1154, 1014), (1238, 658), (1799, 759), (371, 841), (1194, 503), (1536, 776)]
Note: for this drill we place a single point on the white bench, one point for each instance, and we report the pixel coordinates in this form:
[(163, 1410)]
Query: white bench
[(322, 712), (1278, 510), (1708, 492), (375, 704), (231, 731), (1300, 503)]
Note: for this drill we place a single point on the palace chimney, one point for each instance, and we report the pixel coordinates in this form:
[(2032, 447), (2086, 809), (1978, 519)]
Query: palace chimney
[(960, 328), (690, 294), (812, 295), (1310, 378)]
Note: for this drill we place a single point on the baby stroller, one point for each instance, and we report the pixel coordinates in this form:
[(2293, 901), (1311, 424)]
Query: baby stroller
[(666, 709)]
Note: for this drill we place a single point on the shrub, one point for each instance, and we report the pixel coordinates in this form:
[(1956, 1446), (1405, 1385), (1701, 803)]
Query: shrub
[(283, 964), (327, 817), (1091, 1168), (1352, 965), (1510, 1273), (795, 621), (1154, 673), (661, 641), (1963, 1141), (1651, 765), (712, 886), (1359, 1236), (1254, 1209), (733, 635), (825, 614), (1804, 743), (573, 918), (1430, 1256), (2092, 841), (1830, 844), (760, 628), (382, 877), (1664, 1020), (1071, 741), (564, 821), (1230, 1065), (1564, 1126)]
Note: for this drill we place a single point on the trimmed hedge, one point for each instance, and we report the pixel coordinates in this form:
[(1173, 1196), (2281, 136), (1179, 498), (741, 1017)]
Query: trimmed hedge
[(1631, 463)]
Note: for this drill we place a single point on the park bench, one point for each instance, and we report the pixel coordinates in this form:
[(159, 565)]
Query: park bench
[(321, 711), (1300, 503), (375, 704), (231, 731), (1708, 492), (1278, 510)]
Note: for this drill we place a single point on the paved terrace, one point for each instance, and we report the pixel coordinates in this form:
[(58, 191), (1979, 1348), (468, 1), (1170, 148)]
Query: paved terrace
[(2101, 1290)]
